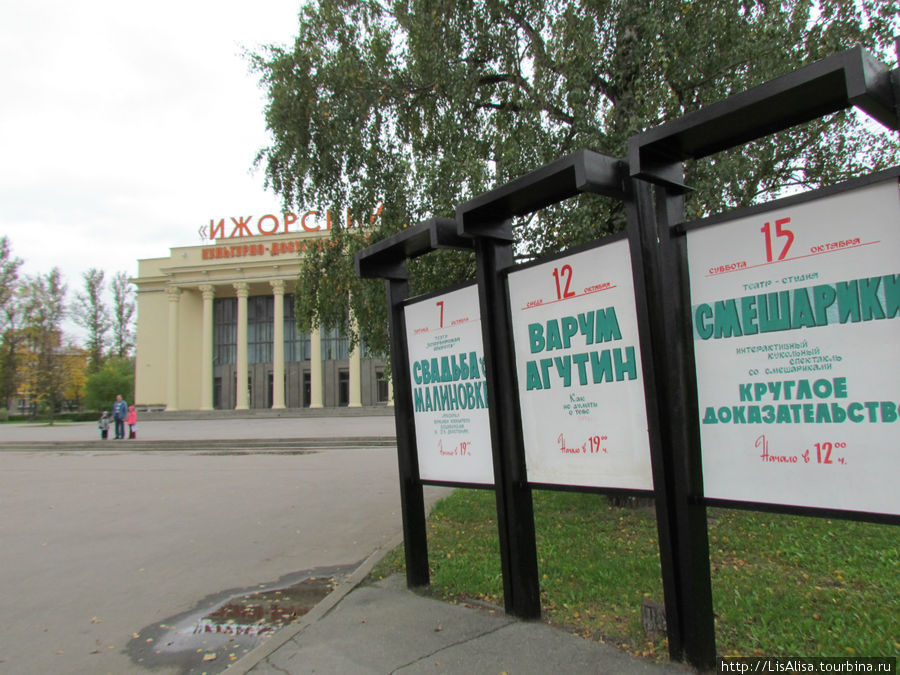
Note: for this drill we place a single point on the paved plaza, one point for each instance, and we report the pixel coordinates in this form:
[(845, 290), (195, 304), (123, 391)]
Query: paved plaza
[(98, 543)]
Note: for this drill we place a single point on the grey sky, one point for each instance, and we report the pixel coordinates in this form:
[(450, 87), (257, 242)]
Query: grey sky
[(124, 127)]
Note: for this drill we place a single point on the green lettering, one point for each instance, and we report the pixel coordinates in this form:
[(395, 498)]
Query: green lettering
[(891, 295), (532, 377), (607, 327), (627, 366), (586, 326), (601, 366), (803, 314), (569, 328), (823, 298), (869, 304), (581, 361), (848, 301), (536, 337), (726, 319), (748, 315), (774, 312), (564, 369), (702, 315)]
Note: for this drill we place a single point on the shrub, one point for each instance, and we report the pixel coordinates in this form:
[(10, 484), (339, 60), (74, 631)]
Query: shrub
[(115, 377)]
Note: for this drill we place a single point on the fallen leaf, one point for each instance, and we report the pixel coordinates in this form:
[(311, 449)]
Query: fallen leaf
[(209, 657)]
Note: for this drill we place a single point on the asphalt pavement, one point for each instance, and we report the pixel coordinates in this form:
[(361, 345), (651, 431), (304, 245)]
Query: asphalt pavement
[(365, 627), (383, 627)]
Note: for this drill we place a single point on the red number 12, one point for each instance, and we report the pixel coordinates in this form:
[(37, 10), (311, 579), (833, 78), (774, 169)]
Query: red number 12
[(563, 292)]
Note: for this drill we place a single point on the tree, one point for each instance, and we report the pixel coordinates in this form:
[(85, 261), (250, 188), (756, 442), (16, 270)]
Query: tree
[(90, 312), (44, 310), (115, 377), (10, 315), (9, 280), (422, 105), (123, 315), (77, 362)]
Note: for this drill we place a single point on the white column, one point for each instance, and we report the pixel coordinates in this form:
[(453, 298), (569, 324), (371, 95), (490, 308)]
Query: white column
[(315, 368), (390, 400), (355, 376), (172, 375), (206, 357), (278, 345), (243, 290)]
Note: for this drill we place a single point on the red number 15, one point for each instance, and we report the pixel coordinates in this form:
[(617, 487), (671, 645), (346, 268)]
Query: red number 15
[(779, 232)]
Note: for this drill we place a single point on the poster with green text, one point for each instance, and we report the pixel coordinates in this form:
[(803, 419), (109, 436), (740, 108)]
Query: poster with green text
[(578, 368), (446, 359), (795, 312)]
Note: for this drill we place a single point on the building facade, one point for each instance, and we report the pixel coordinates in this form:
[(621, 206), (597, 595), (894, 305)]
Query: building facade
[(214, 317)]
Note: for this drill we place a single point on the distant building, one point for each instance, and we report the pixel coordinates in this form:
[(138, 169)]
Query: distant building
[(216, 330)]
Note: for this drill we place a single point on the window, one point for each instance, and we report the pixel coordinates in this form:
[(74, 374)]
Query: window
[(334, 346), (381, 386), (344, 387), (260, 318), (224, 331), (296, 345)]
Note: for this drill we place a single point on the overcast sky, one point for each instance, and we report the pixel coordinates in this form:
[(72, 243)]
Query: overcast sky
[(125, 127)]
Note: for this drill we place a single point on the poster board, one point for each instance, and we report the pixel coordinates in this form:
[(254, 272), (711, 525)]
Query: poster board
[(796, 340), (579, 371), (446, 364)]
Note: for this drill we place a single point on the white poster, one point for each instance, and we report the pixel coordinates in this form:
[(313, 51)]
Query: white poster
[(797, 340), (578, 367), (446, 360)]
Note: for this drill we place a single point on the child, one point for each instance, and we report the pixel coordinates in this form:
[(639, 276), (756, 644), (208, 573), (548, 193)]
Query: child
[(131, 421), (104, 425)]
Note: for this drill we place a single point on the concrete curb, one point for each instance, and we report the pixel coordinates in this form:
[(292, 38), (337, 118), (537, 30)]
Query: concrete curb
[(260, 653)]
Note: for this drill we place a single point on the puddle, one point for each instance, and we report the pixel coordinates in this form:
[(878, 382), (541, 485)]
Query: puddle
[(224, 627)]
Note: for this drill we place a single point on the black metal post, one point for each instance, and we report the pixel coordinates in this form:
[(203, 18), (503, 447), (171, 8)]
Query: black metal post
[(645, 261), (683, 514), (515, 510), (412, 498), (387, 260)]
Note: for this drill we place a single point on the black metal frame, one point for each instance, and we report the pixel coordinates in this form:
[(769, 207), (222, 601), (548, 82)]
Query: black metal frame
[(850, 78), (656, 234), (488, 219), (387, 260)]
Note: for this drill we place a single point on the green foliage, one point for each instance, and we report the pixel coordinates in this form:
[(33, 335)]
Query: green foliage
[(90, 312), (423, 105), (782, 585), (123, 310), (44, 298), (115, 377), (9, 283)]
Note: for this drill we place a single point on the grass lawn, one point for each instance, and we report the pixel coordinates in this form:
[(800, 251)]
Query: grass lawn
[(782, 585)]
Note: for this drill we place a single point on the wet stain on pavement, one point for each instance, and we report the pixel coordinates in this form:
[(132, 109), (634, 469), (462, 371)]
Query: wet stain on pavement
[(224, 627)]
